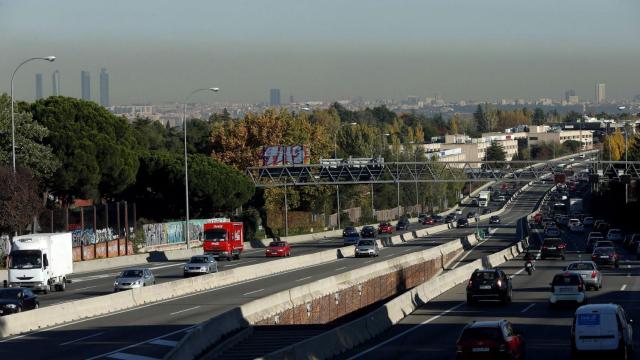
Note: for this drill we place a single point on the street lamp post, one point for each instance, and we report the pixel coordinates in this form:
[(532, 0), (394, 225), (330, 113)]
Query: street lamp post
[(186, 165), (335, 157), (13, 125)]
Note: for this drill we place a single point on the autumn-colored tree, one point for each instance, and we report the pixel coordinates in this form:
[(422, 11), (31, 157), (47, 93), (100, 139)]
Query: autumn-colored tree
[(19, 199), (454, 125), (613, 145)]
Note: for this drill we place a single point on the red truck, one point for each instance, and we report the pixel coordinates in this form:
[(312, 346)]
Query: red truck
[(224, 239)]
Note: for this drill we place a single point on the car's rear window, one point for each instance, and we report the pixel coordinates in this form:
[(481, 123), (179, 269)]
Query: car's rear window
[(549, 242), (484, 275), (581, 266), (565, 280), (277, 244), (603, 250), (588, 319), (481, 333), (365, 242)]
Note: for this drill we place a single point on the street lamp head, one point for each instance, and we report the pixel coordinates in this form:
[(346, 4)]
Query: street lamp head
[(50, 58), (214, 89)]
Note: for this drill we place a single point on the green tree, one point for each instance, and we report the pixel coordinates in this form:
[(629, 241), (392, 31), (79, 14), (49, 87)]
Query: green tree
[(486, 117), (31, 153), (495, 152), (97, 150), (571, 146), (538, 117)]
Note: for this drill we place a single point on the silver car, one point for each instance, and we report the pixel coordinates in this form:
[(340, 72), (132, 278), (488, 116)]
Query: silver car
[(589, 272), (134, 278), (200, 264), (367, 247)]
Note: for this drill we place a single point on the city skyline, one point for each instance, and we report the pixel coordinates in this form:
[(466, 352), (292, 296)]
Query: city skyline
[(104, 87), (85, 85), (397, 49)]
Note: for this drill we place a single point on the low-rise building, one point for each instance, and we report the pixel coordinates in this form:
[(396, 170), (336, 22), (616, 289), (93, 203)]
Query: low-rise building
[(560, 136)]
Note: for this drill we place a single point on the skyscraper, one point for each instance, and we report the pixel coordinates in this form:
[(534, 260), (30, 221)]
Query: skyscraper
[(601, 95), (104, 87), (55, 80), (274, 97), (85, 79), (568, 94), (38, 86)]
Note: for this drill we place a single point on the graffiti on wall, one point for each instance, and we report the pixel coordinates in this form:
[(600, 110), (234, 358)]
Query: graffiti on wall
[(172, 232), (88, 236)]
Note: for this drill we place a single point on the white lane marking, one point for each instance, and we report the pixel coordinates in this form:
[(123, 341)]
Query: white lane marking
[(368, 261), (85, 288), (119, 351), (185, 310), (82, 338), (623, 287), (406, 331), (244, 263), (162, 302), (163, 342), (341, 268), (125, 356), (304, 278), (527, 308), (473, 248), (253, 292), (166, 266)]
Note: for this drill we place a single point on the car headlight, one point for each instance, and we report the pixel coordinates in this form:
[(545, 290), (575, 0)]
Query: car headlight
[(137, 282), (115, 283), (11, 306), (203, 268)]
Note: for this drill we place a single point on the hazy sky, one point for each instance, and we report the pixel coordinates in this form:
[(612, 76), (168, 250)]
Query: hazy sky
[(159, 50)]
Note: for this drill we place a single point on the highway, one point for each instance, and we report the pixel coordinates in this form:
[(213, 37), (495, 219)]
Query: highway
[(98, 283), (152, 329), (432, 330)]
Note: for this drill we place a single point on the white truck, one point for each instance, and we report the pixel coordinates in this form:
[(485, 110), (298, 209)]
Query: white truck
[(41, 261), (483, 198)]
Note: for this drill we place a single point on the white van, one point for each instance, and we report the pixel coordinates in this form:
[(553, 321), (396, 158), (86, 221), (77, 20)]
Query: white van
[(602, 327)]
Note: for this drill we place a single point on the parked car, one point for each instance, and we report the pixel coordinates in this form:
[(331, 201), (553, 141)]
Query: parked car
[(450, 218), (462, 223), (15, 300), (494, 219), (567, 287), (589, 271), (489, 284), (368, 232), (575, 225), (552, 247), (551, 232), (385, 228), (490, 340), (278, 248), (199, 265), (614, 235), (134, 278), (367, 248), (599, 328), (588, 221), (350, 235), (606, 256), (403, 224)]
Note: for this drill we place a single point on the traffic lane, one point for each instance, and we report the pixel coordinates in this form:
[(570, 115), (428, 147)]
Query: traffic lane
[(100, 283), (160, 319), (546, 330), (105, 334)]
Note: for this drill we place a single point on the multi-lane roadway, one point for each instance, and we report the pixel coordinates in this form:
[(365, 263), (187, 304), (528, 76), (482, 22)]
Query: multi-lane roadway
[(151, 330)]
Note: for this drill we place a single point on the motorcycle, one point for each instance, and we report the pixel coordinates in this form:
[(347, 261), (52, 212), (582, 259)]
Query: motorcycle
[(529, 267)]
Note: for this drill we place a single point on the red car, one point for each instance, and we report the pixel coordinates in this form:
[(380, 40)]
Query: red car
[(385, 228), (278, 248), (490, 340), (427, 221)]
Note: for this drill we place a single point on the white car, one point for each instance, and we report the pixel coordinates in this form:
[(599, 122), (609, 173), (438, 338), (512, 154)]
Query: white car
[(614, 235), (588, 221), (601, 327), (575, 225), (567, 287)]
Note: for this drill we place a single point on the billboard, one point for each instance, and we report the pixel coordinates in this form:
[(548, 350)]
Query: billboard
[(285, 155)]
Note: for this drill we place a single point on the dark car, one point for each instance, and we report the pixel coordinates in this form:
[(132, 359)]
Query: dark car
[(437, 218), (490, 340), (368, 232), (462, 223), (602, 227), (606, 256), (489, 284), (350, 235), (427, 221), (403, 224), (471, 214), (494, 219), (552, 247), (450, 218), (486, 211), (15, 300)]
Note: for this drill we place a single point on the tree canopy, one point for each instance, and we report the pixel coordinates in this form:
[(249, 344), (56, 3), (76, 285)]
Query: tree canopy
[(495, 152)]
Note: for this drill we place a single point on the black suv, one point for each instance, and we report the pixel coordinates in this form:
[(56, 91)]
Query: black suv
[(368, 232), (15, 300), (495, 219), (490, 284), (462, 223), (552, 247), (450, 218), (403, 224)]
